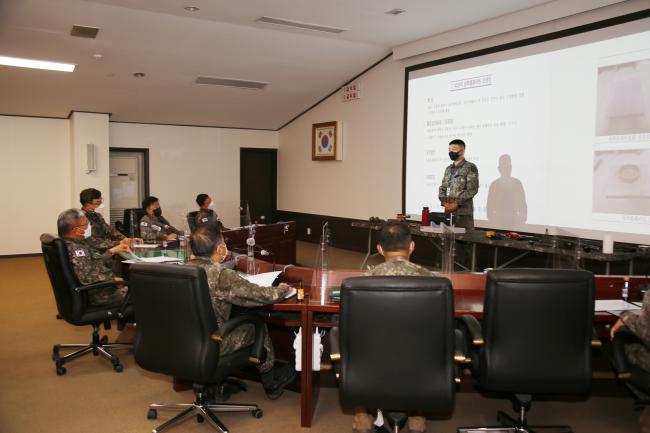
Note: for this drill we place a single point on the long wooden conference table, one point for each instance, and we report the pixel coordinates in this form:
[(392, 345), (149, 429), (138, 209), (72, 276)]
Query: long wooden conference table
[(317, 311)]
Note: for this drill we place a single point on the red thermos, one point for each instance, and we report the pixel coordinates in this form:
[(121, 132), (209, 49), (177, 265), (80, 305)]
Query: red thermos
[(425, 216)]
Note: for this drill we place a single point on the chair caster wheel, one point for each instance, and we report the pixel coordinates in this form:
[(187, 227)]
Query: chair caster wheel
[(199, 418), (257, 413), (152, 414), (118, 368), (60, 371), (103, 340)]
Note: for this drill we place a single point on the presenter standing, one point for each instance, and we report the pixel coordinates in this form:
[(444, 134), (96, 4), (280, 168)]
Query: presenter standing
[(459, 186)]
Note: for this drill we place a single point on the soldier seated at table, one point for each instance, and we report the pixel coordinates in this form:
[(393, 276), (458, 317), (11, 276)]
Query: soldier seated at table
[(154, 226), (638, 354), (90, 265), (205, 215), (103, 236), (395, 244), (227, 288)]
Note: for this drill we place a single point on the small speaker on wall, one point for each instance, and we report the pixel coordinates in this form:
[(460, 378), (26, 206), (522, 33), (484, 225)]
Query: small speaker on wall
[(90, 158)]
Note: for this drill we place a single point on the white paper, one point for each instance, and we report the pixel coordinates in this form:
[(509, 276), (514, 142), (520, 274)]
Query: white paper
[(145, 246), (614, 305), (291, 293), (264, 279)]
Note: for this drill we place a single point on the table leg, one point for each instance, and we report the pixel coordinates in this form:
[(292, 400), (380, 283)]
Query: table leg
[(496, 258), (473, 257), (307, 397)]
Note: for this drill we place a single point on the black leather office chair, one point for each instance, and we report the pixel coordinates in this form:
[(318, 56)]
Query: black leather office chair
[(191, 220), (395, 346), (178, 335), (634, 377), (72, 305), (130, 224), (536, 338)]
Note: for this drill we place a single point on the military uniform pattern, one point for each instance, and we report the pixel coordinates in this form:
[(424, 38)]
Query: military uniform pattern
[(92, 266), (228, 289), (460, 185), (399, 266), (154, 228), (103, 236), (640, 325), (206, 216)]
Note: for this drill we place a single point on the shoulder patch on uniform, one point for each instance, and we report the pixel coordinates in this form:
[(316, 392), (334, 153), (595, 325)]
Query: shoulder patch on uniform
[(204, 220), (79, 253)]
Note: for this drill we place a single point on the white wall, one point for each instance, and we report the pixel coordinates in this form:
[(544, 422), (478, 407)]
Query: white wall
[(185, 161), (35, 183), (88, 128), (44, 169), (368, 182)]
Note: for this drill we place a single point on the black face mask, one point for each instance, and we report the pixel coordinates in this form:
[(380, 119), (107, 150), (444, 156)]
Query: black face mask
[(157, 212), (454, 155)]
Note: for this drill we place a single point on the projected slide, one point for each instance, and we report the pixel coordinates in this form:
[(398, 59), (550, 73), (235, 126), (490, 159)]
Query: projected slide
[(561, 138)]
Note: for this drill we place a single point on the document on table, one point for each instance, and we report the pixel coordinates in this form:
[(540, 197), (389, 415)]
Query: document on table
[(159, 259), (145, 246), (615, 305), (263, 279)]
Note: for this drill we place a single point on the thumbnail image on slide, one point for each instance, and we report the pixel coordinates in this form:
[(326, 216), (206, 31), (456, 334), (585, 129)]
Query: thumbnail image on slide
[(623, 103), (622, 182)]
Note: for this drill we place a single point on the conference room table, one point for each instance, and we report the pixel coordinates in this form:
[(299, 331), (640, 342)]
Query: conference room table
[(317, 311)]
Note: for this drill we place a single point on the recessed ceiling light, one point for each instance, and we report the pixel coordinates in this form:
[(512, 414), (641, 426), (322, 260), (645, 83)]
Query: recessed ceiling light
[(36, 64), (191, 8), (98, 56), (138, 74), (395, 11)]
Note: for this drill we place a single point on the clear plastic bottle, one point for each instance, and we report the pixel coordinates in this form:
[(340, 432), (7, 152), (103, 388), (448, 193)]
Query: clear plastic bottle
[(625, 291)]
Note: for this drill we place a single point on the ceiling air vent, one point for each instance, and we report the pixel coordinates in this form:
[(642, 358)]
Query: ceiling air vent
[(231, 82), (300, 25), (84, 32)]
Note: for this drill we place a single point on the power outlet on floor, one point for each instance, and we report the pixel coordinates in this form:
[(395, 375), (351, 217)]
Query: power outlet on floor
[(308, 231)]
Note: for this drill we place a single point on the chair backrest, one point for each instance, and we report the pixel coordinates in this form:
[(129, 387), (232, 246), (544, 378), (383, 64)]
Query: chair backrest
[(191, 220), (397, 343), (175, 321), (69, 303), (537, 326), (132, 218)]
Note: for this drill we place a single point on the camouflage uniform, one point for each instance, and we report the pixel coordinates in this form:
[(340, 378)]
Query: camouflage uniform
[(460, 185), (103, 236), (639, 325), (155, 228), (92, 266), (204, 216), (400, 266), (228, 289)]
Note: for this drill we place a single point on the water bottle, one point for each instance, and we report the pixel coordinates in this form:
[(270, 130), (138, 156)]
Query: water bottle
[(182, 248), (625, 292), (425, 216)]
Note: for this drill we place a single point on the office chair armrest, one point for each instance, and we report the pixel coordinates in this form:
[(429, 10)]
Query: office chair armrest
[(461, 352), (595, 340), (100, 285), (335, 350), (472, 326), (622, 337), (260, 333)]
